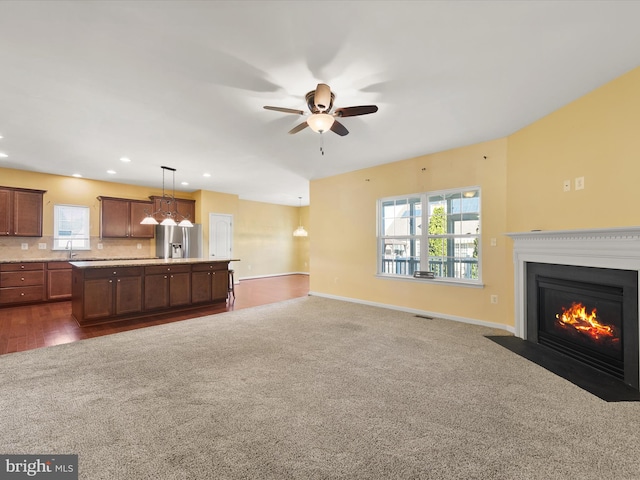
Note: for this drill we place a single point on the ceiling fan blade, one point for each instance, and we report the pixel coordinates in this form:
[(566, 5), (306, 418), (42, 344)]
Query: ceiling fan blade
[(338, 128), (285, 110), (299, 127), (322, 97), (354, 111)]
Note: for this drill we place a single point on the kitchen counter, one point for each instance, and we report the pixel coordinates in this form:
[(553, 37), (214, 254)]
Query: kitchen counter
[(144, 262), (67, 259)]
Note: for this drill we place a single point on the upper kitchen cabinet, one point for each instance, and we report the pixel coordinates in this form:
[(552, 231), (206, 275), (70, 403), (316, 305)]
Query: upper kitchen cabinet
[(21, 212), (186, 208), (121, 217)]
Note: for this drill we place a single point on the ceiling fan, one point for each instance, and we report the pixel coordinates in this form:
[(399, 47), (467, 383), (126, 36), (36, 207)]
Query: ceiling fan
[(320, 102)]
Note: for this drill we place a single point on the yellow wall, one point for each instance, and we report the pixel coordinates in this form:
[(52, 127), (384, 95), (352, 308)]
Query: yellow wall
[(265, 227), (596, 137), (264, 238), (343, 226)]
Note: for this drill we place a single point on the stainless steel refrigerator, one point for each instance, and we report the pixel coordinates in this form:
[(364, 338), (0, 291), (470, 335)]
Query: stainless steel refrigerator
[(178, 242)]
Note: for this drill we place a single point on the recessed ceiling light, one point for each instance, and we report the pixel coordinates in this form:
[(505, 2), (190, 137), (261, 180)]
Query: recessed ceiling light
[(206, 174), (3, 155), (111, 172), (125, 159), (184, 183), (77, 175)]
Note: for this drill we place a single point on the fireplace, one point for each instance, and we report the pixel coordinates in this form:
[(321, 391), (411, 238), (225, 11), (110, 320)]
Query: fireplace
[(586, 313), (576, 306)]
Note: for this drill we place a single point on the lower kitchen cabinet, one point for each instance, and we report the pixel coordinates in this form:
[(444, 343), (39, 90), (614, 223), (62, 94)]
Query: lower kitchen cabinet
[(102, 294), (106, 293), (21, 283), (167, 286), (58, 281), (210, 282)]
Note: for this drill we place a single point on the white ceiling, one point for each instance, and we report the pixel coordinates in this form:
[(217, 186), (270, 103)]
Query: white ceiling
[(183, 83)]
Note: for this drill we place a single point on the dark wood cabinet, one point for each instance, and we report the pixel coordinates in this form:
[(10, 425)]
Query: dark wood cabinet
[(21, 283), (102, 294), (58, 281), (167, 286), (186, 208), (106, 292), (210, 282), (21, 212), (121, 217)]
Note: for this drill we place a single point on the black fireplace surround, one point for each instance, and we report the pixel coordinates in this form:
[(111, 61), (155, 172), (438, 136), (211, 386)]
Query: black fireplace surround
[(588, 314)]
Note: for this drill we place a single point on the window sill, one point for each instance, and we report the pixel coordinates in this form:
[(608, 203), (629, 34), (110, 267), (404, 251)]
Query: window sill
[(434, 281)]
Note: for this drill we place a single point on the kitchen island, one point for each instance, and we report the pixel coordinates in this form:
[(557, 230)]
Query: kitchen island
[(114, 290)]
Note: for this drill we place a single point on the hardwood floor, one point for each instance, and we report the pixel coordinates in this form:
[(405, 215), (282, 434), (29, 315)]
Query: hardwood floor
[(34, 326)]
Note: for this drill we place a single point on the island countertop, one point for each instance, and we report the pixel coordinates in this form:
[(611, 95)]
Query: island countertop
[(148, 262)]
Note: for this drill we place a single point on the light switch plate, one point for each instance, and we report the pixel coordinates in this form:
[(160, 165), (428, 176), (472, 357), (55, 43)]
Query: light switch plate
[(24, 246), (42, 246)]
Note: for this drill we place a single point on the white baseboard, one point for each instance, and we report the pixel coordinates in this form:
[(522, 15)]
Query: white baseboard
[(272, 275), (423, 313)]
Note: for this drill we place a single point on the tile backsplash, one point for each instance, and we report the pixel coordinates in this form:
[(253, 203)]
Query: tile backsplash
[(12, 248)]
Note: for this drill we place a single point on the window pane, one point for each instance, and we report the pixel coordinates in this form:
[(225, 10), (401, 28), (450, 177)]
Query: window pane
[(71, 227), (452, 234)]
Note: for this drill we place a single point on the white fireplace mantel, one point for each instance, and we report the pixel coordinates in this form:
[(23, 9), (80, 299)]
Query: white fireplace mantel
[(617, 248)]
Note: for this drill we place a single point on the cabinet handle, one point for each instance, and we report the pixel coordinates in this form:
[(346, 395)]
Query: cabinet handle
[(118, 280), (171, 276), (110, 281), (22, 279), (115, 273), (165, 276), (22, 294), (21, 266)]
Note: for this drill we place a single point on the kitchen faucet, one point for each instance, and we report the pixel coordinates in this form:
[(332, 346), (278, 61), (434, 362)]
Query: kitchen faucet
[(70, 248)]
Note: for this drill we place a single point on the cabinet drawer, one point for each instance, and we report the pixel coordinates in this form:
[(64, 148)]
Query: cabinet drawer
[(58, 266), (158, 269), (112, 272), (207, 267), (20, 279), (18, 267), (21, 294)]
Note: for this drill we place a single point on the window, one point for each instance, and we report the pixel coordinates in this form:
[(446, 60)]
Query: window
[(71, 227), (448, 246)]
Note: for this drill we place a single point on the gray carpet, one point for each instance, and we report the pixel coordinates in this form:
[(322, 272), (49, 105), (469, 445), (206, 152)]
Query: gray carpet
[(310, 388)]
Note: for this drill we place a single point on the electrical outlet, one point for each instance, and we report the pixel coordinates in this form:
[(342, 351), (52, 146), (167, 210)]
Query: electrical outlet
[(579, 183), (494, 298), (139, 246), (42, 246), (494, 242), (100, 246), (566, 186), (24, 246)]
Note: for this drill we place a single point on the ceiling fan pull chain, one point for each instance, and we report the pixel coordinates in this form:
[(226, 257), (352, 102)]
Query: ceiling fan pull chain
[(321, 144)]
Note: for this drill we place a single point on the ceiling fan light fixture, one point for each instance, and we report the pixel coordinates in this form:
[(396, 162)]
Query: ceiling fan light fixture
[(320, 122)]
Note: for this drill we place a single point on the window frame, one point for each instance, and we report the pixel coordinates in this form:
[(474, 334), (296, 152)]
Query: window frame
[(423, 237), (81, 240)]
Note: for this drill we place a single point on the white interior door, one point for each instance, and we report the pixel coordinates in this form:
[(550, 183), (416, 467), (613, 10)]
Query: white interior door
[(220, 235)]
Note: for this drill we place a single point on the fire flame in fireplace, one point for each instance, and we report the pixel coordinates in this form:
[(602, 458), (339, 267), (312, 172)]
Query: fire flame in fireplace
[(577, 317)]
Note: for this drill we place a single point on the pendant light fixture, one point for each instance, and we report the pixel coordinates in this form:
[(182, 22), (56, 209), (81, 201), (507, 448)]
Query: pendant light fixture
[(300, 231), (170, 212)]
